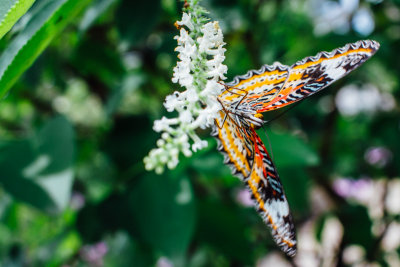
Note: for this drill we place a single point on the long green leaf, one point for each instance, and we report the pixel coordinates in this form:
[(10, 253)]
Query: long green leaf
[(48, 19), (10, 12)]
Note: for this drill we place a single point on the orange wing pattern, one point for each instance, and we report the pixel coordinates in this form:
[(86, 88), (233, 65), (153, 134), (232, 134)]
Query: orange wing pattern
[(267, 190), (256, 85), (312, 74), (266, 89), (235, 145), (249, 160)]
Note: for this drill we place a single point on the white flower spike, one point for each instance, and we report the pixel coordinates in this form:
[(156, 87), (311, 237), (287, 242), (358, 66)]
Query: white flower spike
[(201, 54)]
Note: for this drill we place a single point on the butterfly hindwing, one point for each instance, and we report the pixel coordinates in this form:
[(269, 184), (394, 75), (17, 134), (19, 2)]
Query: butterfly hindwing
[(249, 160), (312, 74), (234, 145), (271, 203)]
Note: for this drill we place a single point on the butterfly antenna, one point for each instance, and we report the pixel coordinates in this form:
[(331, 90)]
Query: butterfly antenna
[(269, 142)]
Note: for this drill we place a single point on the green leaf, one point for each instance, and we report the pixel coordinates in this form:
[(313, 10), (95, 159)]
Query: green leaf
[(289, 150), (14, 158), (34, 171), (48, 19), (53, 140), (56, 138), (164, 213), (297, 183), (10, 12)]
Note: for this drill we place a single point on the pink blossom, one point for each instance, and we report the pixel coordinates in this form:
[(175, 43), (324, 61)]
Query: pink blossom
[(93, 254)]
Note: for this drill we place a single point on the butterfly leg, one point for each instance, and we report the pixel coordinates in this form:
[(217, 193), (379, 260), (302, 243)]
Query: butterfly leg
[(226, 114), (226, 111), (234, 93)]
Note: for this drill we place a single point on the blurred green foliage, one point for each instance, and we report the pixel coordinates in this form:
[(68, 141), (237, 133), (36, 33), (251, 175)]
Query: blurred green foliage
[(81, 83)]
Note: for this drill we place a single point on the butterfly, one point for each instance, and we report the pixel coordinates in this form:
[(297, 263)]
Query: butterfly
[(272, 87)]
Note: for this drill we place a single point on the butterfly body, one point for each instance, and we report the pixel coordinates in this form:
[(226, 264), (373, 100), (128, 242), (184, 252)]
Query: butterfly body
[(269, 88), (245, 117)]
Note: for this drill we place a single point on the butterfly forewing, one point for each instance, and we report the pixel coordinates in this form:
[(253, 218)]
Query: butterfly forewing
[(312, 74), (256, 86)]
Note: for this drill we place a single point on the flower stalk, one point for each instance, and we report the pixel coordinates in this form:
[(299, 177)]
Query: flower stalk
[(199, 70)]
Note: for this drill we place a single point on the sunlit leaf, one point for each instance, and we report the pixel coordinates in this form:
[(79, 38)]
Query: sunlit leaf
[(10, 12), (48, 18)]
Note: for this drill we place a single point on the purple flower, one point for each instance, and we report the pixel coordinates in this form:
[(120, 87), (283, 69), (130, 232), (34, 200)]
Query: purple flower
[(243, 197), (164, 262), (358, 189), (378, 156), (93, 254)]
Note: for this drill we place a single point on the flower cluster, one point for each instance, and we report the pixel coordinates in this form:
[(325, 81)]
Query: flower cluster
[(201, 53)]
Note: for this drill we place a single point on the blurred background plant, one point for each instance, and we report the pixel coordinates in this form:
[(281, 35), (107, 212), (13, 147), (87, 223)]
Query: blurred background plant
[(83, 81)]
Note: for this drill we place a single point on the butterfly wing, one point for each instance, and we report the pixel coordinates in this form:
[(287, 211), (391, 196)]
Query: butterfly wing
[(234, 144), (258, 86), (268, 193), (233, 140), (266, 89), (249, 160), (312, 74)]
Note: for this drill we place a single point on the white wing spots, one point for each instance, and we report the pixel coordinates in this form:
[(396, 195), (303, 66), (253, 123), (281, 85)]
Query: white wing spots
[(278, 209), (333, 69)]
